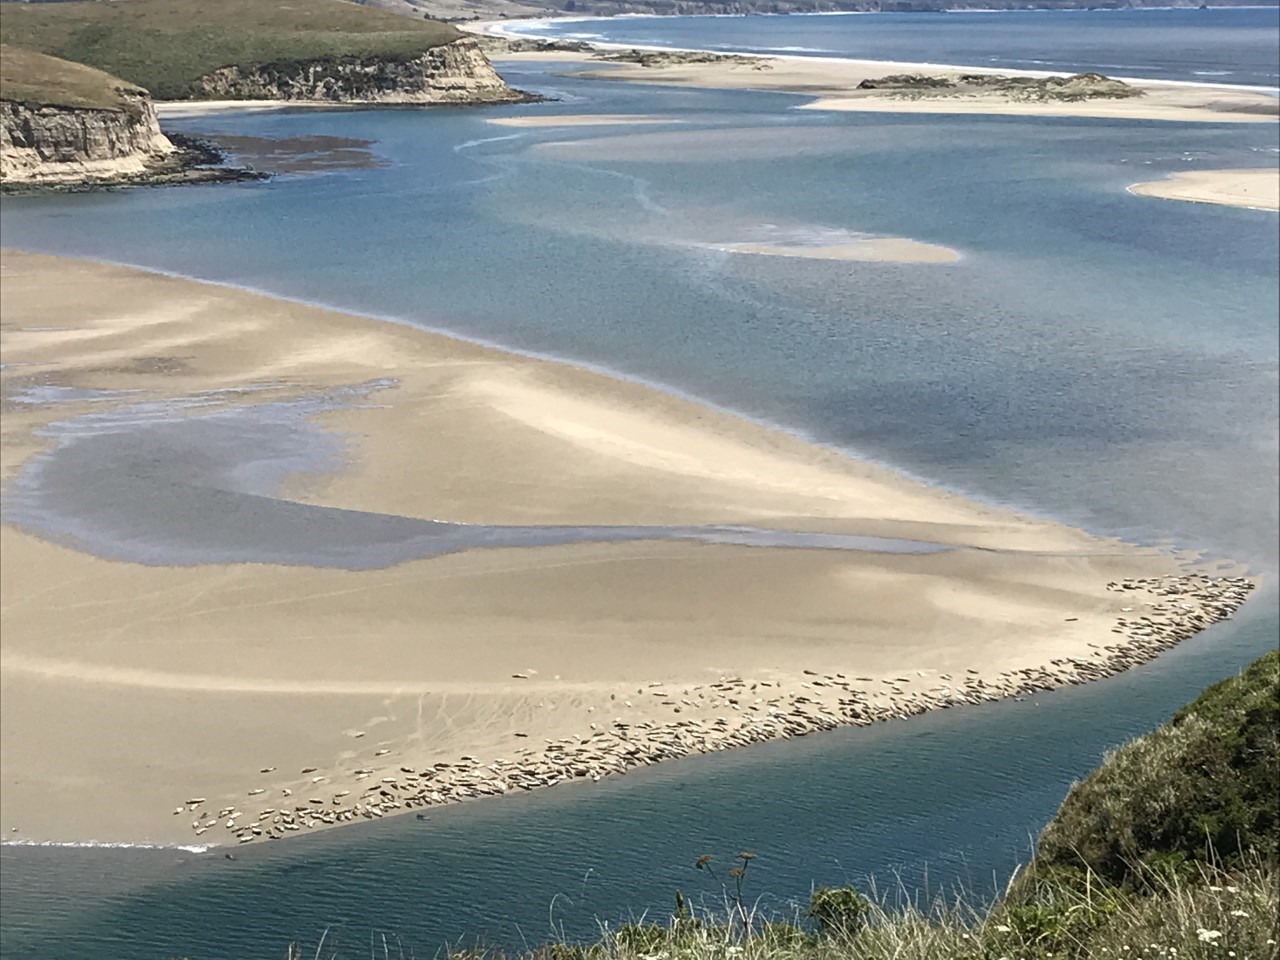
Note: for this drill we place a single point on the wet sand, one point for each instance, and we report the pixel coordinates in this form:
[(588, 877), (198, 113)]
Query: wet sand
[(296, 695), (1254, 189)]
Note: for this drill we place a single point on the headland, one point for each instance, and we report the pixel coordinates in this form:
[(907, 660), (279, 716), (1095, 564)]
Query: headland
[(76, 107)]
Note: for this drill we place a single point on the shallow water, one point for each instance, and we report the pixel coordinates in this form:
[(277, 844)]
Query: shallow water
[(1094, 356), (176, 488)]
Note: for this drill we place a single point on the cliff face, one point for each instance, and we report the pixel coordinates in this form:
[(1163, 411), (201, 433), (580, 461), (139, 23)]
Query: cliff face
[(56, 144), (456, 72)]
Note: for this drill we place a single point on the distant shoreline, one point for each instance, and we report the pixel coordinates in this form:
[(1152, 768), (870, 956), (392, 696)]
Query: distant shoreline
[(831, 82)]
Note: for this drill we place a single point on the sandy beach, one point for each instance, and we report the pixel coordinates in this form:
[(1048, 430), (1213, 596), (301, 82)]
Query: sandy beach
[(1254, 189), (296, 696)]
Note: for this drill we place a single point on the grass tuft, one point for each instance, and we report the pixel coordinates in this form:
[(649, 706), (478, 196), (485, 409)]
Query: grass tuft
[(1214, 916)]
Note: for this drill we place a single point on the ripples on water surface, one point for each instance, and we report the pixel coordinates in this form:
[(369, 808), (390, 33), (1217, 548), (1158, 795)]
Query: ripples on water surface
[(1103, 358)]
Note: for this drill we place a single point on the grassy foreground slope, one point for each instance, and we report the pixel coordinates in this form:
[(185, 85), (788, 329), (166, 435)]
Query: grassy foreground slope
[(166, 45), (40, 80)]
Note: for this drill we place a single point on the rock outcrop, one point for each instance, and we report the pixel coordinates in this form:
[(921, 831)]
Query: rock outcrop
[(64, 122), (1080, 86), (456, 72), (53, 144)]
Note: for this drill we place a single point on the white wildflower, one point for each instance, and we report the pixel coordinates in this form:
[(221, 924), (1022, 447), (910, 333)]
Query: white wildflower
[(1207, 936), (1239, 913)]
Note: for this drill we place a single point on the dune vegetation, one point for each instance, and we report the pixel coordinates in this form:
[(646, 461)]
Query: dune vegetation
[(165, 46)]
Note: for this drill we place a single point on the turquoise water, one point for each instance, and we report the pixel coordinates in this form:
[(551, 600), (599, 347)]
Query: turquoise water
[(1220, 45), (1094, 356)]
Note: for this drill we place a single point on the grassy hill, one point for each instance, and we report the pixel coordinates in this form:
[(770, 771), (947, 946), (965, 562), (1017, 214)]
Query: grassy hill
[(165, 45), (41, 80), (1203, 788)]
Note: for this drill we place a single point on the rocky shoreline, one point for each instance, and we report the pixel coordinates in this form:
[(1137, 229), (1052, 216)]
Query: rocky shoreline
[(54, 139), (192, 161), (730, 712), (453, 73)]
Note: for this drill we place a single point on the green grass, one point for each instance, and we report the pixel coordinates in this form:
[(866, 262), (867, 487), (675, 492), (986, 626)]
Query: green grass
[(166, 45), (1209, 779), (1211, 917), (34, 78)]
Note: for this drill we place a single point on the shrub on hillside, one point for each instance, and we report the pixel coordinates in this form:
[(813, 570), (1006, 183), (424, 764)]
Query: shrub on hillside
[(1203, 789)]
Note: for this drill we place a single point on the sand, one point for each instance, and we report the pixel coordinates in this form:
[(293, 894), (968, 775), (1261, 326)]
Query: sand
[(578, 120), (206, 703), (1255, 189), (877, 249), (197, 108), (831, 82)]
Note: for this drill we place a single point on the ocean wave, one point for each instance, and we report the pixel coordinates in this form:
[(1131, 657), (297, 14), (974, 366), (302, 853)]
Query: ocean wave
[(111, 845)]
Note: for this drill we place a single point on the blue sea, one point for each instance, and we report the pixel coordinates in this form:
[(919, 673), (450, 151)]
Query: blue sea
[(1105, 359)]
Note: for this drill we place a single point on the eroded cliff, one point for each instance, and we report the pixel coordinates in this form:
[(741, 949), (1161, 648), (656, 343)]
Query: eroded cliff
[(54, 143), (66, 122), (456, 72)]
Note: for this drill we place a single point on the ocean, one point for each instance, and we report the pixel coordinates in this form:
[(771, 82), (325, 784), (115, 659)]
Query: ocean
[(1101, 358)]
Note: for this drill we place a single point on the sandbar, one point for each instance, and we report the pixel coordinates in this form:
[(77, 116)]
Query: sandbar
[(871, 249), (577, 120), (235, 702), (1255, 189)]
